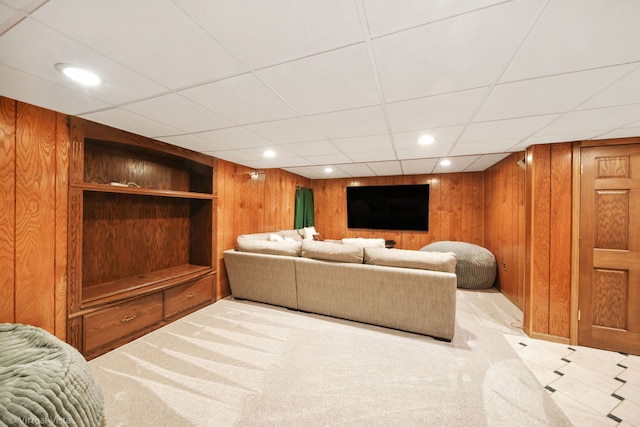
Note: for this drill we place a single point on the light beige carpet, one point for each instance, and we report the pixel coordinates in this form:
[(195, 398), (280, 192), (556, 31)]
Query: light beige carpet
[(238, 363)]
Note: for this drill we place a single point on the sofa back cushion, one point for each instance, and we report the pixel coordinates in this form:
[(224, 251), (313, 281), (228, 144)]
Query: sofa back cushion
[(258, 236), (268, 247), (292, 234), (411, 259), (332, 251), (364, 243)]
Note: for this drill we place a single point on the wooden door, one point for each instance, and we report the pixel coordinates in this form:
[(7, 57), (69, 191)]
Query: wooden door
[(609, 290)]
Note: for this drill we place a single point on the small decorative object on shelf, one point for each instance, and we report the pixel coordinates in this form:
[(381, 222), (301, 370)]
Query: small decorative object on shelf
[(389, 244)]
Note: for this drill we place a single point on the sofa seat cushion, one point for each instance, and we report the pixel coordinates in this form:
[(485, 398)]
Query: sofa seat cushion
[(332, 252), (476, 267), (272, 248), (411, 259)]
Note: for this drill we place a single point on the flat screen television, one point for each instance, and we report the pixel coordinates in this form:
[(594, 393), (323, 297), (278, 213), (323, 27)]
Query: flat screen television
[(389, 207)]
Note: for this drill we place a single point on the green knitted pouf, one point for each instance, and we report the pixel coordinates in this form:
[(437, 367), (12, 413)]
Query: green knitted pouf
[(476, 266)]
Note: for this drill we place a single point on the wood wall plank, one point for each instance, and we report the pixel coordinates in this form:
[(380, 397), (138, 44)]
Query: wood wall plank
[(503, 209), (540, 243), (7, 211), (61, 248), (560, 240), (35, 216)]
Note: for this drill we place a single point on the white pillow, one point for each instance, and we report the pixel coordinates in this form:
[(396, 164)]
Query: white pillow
[(309, 232), (291, 239), (273, 237), (364, 243)]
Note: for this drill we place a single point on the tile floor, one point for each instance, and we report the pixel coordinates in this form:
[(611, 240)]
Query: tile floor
[(593, 387)]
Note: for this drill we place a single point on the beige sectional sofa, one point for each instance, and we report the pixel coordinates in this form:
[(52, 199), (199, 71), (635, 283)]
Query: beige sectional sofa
[(402, 289)]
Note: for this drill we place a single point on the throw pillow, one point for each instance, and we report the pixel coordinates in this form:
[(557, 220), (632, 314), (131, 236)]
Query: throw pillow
[(273, 237), (364, 243), (309, 232)]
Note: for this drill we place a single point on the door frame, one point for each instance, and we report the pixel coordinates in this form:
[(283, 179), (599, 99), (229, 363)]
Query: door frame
[(575, 223)]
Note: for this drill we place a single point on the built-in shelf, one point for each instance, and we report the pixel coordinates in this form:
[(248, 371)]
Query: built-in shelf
[(143, 255), (107, 188)]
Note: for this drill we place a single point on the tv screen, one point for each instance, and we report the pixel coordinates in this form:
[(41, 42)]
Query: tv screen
[(389, 207)]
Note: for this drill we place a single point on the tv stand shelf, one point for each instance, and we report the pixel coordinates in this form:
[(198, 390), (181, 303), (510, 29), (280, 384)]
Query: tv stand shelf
[(140, 256)]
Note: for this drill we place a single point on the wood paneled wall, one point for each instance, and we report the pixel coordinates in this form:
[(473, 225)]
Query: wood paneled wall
[(455, 211), (504, 219), (548, 190), (251, 206), (33, 216)]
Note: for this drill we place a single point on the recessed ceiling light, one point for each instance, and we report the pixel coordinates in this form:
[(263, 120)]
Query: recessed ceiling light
[(445, 162), (328, 170), (426, 139), (79, 75), (269, 154)]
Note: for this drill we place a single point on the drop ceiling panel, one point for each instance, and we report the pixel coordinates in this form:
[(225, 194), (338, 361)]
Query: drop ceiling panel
[(312, 148), (503, 129), (328, 159), (190, 141), (625, 132), (546, 95), (356, 169), (592, 120), (624, 91), (443, 136), (351, 123), (364, 143), (486, 161), (386, 17), (435, 111), (463, 52), (234, 138), (22, 48), (385, 168), (36, 91), (242, 99), (495, 146), (153, 37), (9, 17), (418, 166), (458, 164), (262, 33), (297, 129), (131, 122), (234, 156), (337, 80), (184, 114), (574, 35), (419, 152), (274, 163), (372, 156)]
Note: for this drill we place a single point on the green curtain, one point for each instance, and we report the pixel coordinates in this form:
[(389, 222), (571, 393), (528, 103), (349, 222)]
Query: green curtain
[(303, 215)]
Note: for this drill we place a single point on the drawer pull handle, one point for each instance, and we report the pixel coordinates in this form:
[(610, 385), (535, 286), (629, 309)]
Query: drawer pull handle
[(129, 318), (191, 295)]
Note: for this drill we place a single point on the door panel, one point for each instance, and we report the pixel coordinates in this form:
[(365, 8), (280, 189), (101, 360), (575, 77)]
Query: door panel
[(609, 292)]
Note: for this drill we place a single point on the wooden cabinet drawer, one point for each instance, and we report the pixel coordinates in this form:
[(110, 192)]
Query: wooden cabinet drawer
[(110, 324), (189, 295)]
